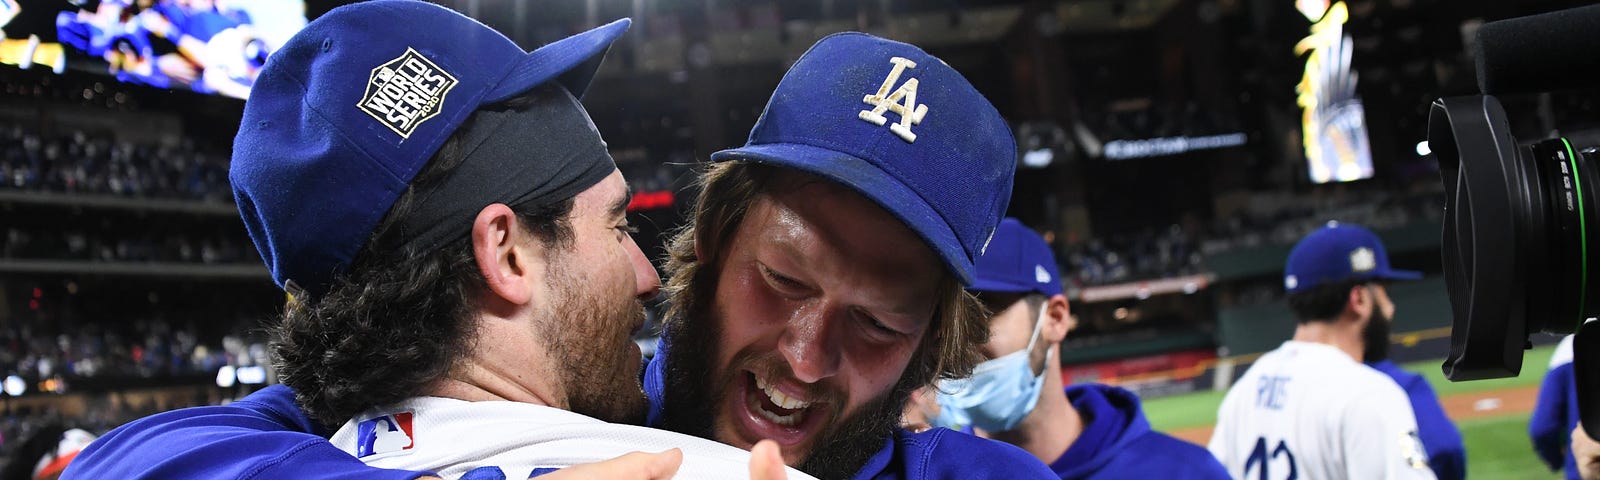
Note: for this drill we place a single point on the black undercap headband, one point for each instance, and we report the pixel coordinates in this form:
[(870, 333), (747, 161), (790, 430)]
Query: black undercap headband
[(546, 153)]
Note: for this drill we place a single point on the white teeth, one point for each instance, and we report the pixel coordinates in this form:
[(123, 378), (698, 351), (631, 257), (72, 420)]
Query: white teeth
[(786, 420), (778, 398), (782, 400)]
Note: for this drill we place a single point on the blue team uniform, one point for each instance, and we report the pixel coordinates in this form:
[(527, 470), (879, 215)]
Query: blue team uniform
[(1556, 415), (1447, 456), (202, 24), (263, 436), (1117, 442)]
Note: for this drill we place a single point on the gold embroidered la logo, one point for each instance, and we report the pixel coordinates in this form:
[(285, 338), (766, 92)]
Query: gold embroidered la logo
[(910, 112), (405, 92)]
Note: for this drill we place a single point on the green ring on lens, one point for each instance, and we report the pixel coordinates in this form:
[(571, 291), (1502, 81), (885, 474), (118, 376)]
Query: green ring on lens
[(1583, 235)]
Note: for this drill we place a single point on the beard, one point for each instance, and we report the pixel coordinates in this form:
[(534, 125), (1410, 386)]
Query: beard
[(580, 333), (1375, 337), (692, 395)]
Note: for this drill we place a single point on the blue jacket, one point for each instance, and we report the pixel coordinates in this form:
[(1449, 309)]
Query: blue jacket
[(1553, 419), (932, 454), (1117, 442), (1447, 456), (263, 436)]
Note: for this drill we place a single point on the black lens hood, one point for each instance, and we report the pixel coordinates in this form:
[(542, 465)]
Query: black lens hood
[(1486, 204)]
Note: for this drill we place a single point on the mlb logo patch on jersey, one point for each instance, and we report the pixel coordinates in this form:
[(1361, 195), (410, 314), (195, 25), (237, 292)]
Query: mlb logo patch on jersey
[(385, 434), (1411, 450)]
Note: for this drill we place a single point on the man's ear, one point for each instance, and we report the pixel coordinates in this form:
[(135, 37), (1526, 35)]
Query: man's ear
[(1058, 319), (1358, 301), (505, 257)]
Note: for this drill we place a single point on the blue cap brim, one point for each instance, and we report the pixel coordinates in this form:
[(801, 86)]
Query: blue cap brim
[(572, 61), (1400, 275), (869, 181), (987, 285)]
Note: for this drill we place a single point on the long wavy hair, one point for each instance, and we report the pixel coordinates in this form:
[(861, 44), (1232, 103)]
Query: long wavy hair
[(950, 348)]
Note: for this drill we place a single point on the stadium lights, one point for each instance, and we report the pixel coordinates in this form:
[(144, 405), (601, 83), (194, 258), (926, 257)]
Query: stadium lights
[(251, 375), (226, 376)]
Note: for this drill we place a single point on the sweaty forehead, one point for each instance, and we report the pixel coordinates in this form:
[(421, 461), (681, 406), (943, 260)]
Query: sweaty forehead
[(845, 239)]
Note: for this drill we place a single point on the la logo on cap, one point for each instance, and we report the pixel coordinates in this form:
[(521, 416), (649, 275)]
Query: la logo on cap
[(1363, 260), (1040, 274), (910, 112)]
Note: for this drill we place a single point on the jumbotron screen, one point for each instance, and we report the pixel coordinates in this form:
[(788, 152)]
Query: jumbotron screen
[(208, 46)]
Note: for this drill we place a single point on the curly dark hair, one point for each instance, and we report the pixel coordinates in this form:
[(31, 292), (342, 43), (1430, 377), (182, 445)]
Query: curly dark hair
[(401, 317)]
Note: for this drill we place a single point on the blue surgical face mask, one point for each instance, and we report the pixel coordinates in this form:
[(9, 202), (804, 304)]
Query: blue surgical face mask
[(998, 395)]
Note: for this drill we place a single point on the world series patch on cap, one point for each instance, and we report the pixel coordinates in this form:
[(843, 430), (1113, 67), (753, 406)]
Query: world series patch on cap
[(1338, 252), (350, 109), (902, 128)]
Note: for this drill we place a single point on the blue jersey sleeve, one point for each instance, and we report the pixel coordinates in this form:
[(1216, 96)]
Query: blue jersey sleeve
[(1549, 427), (1447, 454), (244, 440)]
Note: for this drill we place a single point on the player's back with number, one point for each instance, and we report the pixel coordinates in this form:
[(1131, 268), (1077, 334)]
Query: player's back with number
[(1309, 411)]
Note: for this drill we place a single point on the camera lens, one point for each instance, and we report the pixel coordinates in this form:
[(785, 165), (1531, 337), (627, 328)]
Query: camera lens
[(1517, 223), (1565, 292)]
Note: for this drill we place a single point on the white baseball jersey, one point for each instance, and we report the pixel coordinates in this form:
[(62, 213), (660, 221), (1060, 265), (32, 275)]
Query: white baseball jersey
[(1309, 411), (453, 438)]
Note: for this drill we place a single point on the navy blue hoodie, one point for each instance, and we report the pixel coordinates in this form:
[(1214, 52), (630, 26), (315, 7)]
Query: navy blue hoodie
[(1117, 442)]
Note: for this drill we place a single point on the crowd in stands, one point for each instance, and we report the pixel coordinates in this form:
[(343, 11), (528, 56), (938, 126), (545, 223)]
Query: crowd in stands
[(124, 246), (1123, 258), (1287, 219), (140, 349), (1280, 220), (83, 163)]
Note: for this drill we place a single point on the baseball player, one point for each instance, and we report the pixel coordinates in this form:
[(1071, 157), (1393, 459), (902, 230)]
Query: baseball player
[(1556, 413), (453, 235), (819, 283), (1310, 409), (819, 279), (1082, 431)]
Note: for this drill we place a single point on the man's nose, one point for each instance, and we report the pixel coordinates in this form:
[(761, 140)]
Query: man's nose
[(810, 345), (647, 284)]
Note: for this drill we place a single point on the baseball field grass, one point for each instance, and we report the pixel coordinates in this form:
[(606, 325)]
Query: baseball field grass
[(1492, 415)]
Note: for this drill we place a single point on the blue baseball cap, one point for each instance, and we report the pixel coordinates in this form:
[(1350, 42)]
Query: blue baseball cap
[(1018, 261), (350, 109), (1339, 252), (902, 128)]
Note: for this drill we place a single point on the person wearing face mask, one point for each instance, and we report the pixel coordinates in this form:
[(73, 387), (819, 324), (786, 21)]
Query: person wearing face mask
[(1310, 409), (1082, 431)]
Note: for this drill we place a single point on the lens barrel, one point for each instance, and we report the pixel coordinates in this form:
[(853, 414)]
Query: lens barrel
[(1516, 236), (1560, 296)]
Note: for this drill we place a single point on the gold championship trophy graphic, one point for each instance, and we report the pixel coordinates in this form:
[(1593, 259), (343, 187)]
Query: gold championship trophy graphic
[(1332, 120)]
